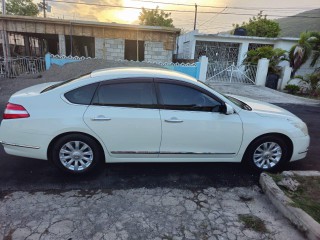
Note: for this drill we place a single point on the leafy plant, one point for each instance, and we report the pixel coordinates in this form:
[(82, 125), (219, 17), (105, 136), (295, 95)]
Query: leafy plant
[(312, 81), (275, 56), (260, 26), (155, 17), (291, 88)]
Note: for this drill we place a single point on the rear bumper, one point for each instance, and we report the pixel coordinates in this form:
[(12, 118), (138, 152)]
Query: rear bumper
[(300, 147)]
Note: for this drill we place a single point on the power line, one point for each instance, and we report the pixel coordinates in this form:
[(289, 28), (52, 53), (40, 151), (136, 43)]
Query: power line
[(175, 10), (209, 6)]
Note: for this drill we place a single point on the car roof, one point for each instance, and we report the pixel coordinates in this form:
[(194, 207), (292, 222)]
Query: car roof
[(125, 72)]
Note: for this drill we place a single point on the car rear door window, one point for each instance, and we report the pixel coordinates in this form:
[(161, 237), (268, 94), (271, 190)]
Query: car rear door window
[(82, 95), (180, 97), (129, 94)]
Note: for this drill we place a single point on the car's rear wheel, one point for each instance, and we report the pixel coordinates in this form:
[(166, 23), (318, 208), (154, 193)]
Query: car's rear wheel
[(76, 153), (267, 153)]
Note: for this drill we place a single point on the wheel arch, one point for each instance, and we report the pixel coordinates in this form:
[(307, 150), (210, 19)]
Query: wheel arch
[(51, 144), (279, 135)]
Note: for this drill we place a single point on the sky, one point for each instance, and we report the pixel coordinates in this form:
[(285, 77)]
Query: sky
[(218, 17)]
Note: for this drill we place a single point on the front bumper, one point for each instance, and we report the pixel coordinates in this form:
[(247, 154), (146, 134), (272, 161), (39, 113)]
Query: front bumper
[(300, 147)]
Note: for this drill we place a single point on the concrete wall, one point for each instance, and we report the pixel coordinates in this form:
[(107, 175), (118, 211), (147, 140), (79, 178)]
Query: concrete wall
[(155, 52), (189, 39), (109, 49)]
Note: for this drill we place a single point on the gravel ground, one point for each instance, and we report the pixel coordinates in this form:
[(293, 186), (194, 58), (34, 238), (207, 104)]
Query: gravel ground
[(155, 214)]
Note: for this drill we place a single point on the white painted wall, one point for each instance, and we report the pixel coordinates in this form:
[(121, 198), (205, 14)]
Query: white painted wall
[(187, 43)]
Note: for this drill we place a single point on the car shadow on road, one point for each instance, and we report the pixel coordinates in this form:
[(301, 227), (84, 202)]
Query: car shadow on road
[(17, 173)]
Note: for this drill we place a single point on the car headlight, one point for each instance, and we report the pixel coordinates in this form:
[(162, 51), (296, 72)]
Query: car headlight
[(300, 125)]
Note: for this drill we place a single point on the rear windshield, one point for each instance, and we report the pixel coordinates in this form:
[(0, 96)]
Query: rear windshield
[(64, 82)]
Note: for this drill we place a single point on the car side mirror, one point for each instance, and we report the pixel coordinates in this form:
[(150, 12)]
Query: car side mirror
[(228, 109)]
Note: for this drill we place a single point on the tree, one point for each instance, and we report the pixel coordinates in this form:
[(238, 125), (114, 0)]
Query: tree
[(260, 26), (155, 17), (300, 52), (22, 7), (315, 43), (307, 46)]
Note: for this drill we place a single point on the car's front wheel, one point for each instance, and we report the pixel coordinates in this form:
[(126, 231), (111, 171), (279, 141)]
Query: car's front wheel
[(76, 153), (267, 153)]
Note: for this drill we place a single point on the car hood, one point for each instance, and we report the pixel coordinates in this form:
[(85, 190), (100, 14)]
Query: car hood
[(263, 108)]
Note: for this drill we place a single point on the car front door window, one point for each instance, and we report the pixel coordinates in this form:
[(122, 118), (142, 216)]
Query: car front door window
[(180, 97)]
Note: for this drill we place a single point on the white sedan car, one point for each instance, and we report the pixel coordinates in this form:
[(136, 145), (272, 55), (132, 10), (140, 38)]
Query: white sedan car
[(147, 115)]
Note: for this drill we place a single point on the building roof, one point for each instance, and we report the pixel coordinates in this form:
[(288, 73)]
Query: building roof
[(89, 23), (219, 35)]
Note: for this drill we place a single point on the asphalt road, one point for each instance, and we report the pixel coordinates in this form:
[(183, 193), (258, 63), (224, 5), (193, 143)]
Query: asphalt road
[(17, 173)]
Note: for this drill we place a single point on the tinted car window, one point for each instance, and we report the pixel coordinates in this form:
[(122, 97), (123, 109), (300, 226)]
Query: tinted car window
[(181, 97), (126, 95), (82, 95)]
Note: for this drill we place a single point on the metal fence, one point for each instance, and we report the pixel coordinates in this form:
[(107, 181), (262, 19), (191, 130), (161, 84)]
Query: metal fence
[(16, 66), (226, 72)]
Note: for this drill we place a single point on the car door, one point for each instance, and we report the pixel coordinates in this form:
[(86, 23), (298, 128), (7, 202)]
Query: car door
[(193, 124), (125, 116)]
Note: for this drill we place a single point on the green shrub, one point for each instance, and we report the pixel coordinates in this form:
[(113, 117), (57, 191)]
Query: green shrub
[(291, 88)]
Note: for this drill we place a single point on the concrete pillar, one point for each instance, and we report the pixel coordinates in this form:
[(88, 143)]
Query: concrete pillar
[(62, 44), (243, 49), (203, 68), (262, 71), (285, 77)]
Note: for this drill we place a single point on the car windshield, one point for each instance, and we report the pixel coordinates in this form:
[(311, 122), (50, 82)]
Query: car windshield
[(64, 82), (232, 99), (239, 103)]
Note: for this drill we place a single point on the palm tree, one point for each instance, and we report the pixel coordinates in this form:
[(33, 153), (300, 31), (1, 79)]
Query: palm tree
[(315, 43), (300, 52)]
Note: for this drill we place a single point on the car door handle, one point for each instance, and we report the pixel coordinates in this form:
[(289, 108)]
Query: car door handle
[(100, 118), (173, 120)]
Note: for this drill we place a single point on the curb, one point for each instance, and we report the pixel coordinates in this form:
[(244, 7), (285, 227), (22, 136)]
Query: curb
[(297, 216)]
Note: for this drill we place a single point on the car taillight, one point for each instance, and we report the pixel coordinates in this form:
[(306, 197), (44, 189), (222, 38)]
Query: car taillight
[(13, 111)]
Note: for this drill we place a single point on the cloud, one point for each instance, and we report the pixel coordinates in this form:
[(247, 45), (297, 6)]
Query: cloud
[(86, 12)]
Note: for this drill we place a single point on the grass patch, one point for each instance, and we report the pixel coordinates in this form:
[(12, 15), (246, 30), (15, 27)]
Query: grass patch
[(307, 196), (276, 177), (253, 222)]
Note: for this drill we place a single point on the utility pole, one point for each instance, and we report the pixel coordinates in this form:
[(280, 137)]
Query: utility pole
[(195, 16), (44, 8)]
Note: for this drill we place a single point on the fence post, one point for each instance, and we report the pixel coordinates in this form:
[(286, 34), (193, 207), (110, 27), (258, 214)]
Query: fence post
[(285, 77), (202, 76), (47, 58), (262, 71)]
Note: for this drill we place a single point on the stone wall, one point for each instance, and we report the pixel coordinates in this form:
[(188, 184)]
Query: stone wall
[(155, 52), (110, 49)]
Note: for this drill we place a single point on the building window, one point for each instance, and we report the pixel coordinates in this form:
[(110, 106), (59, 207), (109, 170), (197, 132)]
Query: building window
[(134, 50), (217, 51)]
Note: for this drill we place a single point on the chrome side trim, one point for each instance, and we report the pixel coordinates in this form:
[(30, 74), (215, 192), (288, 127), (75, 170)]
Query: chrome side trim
[(133, 152), (148, 152), (18, 145), (196, 153)]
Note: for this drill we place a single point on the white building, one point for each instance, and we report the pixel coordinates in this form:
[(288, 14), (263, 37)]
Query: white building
[(225, 47)]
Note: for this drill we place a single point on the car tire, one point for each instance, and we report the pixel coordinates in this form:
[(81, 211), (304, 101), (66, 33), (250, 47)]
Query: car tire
[(267, 153), (76, 154)]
